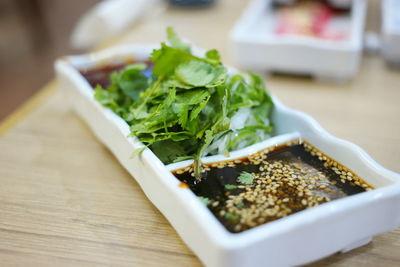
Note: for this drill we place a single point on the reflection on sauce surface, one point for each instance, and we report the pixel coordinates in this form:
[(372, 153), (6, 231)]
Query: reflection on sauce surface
[(271, 184)]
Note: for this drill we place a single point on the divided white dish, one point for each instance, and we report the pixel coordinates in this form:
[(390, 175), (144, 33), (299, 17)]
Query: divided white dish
[(256, 47), (306, 236)]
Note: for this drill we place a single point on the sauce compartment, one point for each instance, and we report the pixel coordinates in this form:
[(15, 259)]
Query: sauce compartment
[(270, 184)]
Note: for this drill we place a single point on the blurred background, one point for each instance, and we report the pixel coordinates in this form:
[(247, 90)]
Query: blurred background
[(32, 34), (35, 32)]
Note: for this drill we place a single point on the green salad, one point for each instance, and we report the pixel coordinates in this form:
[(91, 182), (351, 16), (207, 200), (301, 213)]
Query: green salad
[(190, 106)]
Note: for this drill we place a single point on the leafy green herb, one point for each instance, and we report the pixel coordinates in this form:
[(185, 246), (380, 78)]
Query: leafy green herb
[(240, 204), (245, 178), (230, 186), (137, 152), (206, 201), (200, 74), (175, 41), (190, 106), (232, 217)]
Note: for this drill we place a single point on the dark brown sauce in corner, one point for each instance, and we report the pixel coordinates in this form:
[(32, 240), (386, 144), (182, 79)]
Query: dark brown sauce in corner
[(101, 75), (286, 179)]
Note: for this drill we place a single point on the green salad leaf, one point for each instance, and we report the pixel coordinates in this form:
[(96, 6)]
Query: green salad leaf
[(190, 106), (206, 201), (230, 186), (245, 178), (232, 217)]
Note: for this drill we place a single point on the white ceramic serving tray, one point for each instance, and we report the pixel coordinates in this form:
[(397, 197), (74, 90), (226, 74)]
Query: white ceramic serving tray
[(256, 47), (306, 236)]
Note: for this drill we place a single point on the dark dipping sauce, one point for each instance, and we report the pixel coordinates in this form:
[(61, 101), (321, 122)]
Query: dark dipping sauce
[(101, 75), (283, 180)]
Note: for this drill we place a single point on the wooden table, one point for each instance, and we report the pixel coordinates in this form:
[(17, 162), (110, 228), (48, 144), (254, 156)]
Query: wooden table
[(65, 200)]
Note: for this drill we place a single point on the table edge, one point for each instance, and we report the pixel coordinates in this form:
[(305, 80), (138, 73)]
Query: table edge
[(27, 107)]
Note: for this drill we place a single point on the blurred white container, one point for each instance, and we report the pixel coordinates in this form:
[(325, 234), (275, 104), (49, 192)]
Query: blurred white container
[(106, 19), (258, 48), (391, 31)]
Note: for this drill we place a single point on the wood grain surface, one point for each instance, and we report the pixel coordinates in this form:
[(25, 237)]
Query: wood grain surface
[(65, 200)]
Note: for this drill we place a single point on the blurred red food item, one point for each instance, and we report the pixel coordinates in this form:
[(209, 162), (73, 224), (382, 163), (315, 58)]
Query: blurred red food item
[(309, 18)]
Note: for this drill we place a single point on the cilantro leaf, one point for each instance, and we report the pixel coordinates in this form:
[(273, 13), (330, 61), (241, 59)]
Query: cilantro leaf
[(137, 152), (175, 41), (132, 82), (230, 186), (232, 217), (245, 178), (200, 74), (167, 59), (174, 150), (206, 201), (213, 55), (240, 204)]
